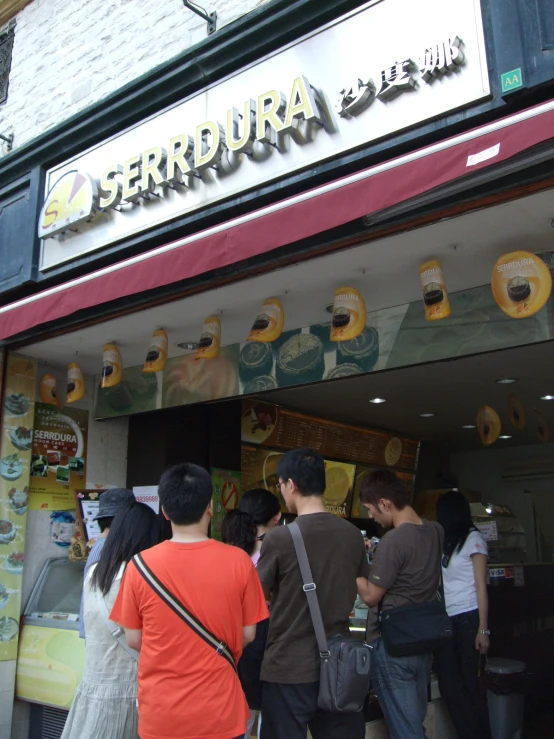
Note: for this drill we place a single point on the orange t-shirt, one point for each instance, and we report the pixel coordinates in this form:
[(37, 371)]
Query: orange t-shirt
[(187, 690)]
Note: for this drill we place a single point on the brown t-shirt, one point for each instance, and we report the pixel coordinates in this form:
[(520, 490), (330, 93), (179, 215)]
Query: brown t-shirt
[(407, 564), (337, 557)]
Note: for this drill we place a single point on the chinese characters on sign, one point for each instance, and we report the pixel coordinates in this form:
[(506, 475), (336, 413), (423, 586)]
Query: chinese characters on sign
[(437, 60)]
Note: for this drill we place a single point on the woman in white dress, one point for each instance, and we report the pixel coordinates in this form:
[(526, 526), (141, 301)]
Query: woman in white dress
[(105, 703)]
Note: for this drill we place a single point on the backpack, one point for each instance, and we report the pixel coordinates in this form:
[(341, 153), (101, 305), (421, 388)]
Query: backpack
[(345, 660)]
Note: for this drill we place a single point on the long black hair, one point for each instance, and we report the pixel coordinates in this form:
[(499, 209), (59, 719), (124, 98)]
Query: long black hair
[(454, 515), (133, 530), (240, 527)]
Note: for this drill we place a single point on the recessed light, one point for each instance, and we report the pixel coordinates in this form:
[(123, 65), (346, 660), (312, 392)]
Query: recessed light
[(376, 401), (188, 346), (505, 436), (468, 426), (547, 397), (506, 380), (427, 415)]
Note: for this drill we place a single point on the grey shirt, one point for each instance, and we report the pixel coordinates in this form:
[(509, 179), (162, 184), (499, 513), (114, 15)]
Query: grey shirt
[(407, 564)]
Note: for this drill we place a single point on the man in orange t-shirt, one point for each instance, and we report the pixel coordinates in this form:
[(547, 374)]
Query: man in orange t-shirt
[(186, 689)]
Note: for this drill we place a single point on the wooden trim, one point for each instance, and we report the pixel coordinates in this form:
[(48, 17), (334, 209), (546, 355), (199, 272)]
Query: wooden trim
[(9, 8)]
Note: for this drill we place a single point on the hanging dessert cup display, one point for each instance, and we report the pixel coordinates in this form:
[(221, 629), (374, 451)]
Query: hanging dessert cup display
[(269, 322), (349, 314), (435, 296), (210, 339), (112, 366), (156, 357), (75, 383)]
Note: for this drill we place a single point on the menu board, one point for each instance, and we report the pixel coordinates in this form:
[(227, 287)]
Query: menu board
[(15, 460), (258, 470), (280, 428), (58, 462)]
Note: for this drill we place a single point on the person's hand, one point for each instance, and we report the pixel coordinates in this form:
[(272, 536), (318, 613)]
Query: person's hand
[(482, 643)]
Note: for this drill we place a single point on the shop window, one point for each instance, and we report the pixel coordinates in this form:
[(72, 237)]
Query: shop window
[(6, 46)]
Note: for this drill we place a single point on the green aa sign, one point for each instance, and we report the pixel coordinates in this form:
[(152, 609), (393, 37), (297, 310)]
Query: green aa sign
[(512, 80)]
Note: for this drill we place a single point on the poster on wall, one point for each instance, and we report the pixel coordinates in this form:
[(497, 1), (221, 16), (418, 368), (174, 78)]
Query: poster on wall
[(259, 467), (227, 492), (148, 494), (15, 460), (86, 503), (58, 462)]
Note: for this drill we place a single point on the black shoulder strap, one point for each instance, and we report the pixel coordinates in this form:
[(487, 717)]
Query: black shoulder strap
[(309, 588), (184, 614)]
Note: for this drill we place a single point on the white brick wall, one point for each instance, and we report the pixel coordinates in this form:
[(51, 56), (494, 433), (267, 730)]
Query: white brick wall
[(68, 54)]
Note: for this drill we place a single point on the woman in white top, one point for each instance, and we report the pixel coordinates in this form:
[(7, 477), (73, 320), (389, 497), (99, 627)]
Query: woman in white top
[(464, 569), (105, 703), (246, 527)]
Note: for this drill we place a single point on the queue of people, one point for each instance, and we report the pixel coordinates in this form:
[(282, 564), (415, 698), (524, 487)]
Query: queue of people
[(191, 638)]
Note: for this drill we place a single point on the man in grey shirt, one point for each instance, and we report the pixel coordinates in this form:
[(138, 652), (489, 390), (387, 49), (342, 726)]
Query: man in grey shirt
[(405, 570), (111, 503)]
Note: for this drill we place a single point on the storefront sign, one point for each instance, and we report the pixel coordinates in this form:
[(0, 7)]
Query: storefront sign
[(15, 460), (341, 87), (58, 463)]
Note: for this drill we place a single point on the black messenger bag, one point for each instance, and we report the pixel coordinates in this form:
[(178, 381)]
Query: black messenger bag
[(345, 661), (418, 628)]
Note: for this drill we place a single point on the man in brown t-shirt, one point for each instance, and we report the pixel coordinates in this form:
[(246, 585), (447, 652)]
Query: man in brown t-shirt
[(337, 556), (405, 570)]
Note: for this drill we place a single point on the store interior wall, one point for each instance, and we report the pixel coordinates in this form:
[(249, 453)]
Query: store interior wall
[(483, 470)]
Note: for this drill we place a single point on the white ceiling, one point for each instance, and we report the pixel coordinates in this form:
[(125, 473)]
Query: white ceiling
[(453, 390), (385, 271)]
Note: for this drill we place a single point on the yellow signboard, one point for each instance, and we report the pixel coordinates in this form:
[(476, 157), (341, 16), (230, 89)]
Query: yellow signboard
[(50, 665), (16, 438)]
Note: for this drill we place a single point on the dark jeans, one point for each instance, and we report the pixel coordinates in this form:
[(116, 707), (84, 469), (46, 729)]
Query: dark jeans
[(288, 711), (401, 685), (458, 667)]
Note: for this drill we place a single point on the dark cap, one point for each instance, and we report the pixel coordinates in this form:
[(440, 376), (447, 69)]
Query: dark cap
[(112, 501)]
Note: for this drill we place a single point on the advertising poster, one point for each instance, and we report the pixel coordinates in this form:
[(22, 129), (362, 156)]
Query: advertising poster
[(15, 460), (148, 494), (258, 469), (86, 503), (227, 491), (58, 462)]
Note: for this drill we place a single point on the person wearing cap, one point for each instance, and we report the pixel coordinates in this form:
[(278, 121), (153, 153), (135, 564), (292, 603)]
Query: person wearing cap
[(111, 503)]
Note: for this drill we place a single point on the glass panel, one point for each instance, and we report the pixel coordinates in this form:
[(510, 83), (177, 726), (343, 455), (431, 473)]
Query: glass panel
[(61, 588)]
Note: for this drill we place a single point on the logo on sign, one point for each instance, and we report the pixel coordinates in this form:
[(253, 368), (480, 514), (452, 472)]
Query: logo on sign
[(71, 200)]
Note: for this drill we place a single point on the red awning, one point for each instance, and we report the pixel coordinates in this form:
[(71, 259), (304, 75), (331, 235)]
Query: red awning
[(289, 221)]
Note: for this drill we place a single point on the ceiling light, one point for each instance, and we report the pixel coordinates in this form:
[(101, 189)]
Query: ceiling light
[(376, 401), (505, 436), (506, 381), (188, 346), (489, 509), (427, 415), (547, 397), (468, 426)]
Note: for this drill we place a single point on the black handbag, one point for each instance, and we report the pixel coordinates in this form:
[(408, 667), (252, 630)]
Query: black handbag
[(418, 628), (345, 661)]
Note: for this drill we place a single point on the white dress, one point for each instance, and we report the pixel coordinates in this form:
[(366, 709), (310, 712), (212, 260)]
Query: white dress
[(105, 701)]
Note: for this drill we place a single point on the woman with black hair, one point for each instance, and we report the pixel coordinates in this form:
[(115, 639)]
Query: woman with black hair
[(105, 702), (464, 568), (246, 527)]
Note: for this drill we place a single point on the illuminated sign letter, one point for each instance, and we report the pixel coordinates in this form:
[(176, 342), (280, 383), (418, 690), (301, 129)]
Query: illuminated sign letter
[(153, 168), (181, 151), (236, 142), (269, 116), (209, 145), (110, 188), (302, 104), (131, 175)]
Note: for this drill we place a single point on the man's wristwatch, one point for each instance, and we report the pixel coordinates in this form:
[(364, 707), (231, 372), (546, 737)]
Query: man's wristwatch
[(486, 632)]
